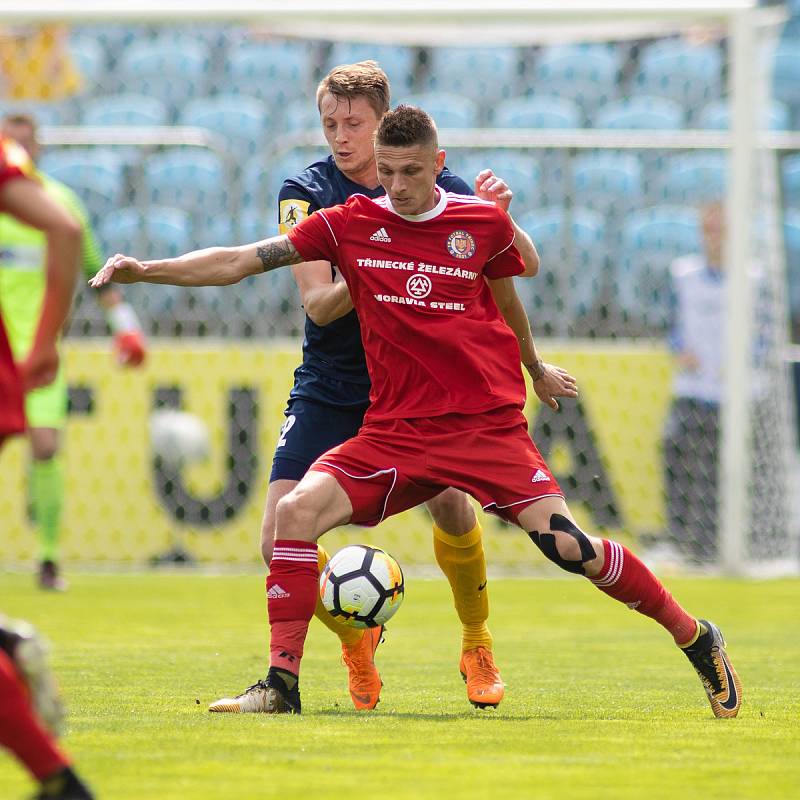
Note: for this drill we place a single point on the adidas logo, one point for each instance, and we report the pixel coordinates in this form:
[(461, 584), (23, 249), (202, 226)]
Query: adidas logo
[(276, 593), (539, 475), (380, 235)]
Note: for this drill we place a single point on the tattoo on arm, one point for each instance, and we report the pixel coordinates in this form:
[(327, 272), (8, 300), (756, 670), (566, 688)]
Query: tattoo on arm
[(278, 253)]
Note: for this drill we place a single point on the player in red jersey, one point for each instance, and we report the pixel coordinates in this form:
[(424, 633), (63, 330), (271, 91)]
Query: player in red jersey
[(25, 199), (428, 320)]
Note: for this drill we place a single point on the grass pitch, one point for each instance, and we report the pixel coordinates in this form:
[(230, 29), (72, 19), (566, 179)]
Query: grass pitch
[(599, 703)]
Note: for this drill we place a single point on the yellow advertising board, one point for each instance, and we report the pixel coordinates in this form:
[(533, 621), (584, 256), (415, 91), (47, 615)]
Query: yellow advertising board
[(604, 449)]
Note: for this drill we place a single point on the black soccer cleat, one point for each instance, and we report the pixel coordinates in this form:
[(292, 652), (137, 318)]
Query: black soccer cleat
[(64, 785), (719, 678)]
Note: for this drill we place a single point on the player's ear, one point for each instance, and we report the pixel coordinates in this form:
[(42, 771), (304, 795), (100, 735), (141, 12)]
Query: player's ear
[(440, 157)]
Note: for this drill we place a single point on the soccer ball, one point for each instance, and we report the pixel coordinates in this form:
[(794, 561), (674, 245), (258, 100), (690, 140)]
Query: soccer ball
[(362, 586), (178, 438)]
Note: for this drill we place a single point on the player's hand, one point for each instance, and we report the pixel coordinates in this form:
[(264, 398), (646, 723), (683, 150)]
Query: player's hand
[(40, 367), (489, 187), (118, 269), (130, 348), (553, 382)]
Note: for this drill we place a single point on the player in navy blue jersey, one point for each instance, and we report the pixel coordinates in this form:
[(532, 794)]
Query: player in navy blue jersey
[(331, 387)]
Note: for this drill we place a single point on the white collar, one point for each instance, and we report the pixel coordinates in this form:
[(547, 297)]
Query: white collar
[(426, 215)]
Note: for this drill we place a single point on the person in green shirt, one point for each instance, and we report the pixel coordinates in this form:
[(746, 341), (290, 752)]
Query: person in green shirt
[(22, 283)]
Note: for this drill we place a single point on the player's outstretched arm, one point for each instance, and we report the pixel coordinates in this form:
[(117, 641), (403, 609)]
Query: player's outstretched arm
[(549, 381), (214, 266), (489, 186)]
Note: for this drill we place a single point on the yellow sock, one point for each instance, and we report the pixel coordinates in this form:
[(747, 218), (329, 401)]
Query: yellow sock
[(462, 560), (346, 634)]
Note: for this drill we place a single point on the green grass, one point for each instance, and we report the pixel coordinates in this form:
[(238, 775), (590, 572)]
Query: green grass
[(599, 703)]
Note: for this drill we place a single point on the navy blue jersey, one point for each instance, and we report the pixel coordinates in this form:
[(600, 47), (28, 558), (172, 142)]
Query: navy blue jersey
[(333, 370)]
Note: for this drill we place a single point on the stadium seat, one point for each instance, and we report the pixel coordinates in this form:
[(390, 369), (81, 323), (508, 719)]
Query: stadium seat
[(693, 178), (447, 110), (585, 74), (91, 61), (242, 121), (158, 69), (521, 171), (301, 115), (786, 72), (790, 172), (537, 113), (716, 116), (675, 69), (399, 63), (640, 113), (191, 179), (124, 109), (651, 239), (571, 245), (159, 232), (44, 113), (607, 182), (96, 175), (486, 75), (274, 72), (791, 236)]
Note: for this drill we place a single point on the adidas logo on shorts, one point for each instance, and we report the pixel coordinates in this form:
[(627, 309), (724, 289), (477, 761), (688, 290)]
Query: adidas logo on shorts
[(380, 235), (539, 475), (277, 593)]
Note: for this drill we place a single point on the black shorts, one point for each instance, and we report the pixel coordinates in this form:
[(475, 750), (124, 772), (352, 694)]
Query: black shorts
[(310, 430)]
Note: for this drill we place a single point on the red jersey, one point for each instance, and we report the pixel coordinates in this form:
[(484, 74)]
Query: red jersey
[(434, 338)]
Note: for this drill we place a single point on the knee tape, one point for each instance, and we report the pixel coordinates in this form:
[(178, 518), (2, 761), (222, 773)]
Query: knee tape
[(546, 542)]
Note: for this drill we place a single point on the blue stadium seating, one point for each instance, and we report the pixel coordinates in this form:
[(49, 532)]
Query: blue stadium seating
[(520, 170), (398, 63), (641, 113), (291, 164), (124, 109), (96, 175), (274, 72), (786, 72), (485, 75), (688, 74), (242, 121), (301, 115), (447, 110), (191, 179), (791, 236), (608, 182), (716, 116), (158, 69), (790, 171), (43, 113), (571, 245), (91, 61), (537, 112), (651, 239), (693, 178), (586, 74)]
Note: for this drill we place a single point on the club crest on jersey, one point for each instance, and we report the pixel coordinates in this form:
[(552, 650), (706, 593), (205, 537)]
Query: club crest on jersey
[(419, 286), (460, 244)]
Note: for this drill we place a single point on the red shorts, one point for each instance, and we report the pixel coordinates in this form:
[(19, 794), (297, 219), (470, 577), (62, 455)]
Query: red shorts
[(397, 464), (12, 405)]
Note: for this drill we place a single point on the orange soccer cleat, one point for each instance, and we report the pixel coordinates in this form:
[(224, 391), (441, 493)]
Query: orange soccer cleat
[(485, 687), (365, 682)]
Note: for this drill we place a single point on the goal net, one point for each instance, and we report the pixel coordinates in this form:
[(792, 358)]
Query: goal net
[(651, 151)]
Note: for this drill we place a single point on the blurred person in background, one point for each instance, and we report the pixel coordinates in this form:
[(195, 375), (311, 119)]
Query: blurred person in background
[(24, 198), (31, 713), (22, 261)]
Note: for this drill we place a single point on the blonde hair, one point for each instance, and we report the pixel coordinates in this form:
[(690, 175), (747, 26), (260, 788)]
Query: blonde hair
[(364, 79)]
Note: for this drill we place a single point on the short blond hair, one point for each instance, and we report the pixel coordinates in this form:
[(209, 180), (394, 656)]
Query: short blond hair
[(364, 79)]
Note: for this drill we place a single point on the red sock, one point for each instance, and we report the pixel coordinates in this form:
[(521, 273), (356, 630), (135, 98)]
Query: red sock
[(625, 578), (20, 730), (292, 587)]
